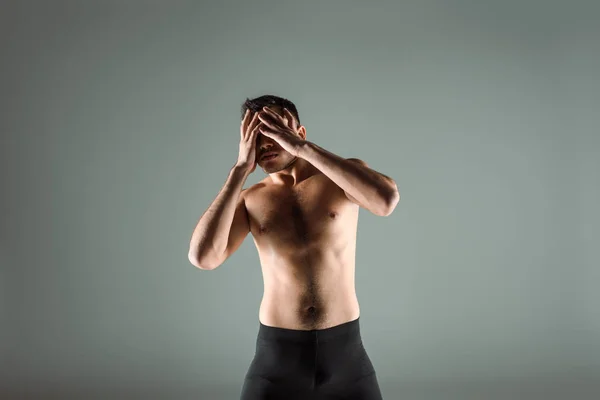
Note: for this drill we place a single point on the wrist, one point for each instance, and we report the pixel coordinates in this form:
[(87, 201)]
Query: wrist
[(303, 148), (242, 169)]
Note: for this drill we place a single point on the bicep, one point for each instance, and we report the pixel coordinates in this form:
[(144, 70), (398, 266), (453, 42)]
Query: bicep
[(352, 199)]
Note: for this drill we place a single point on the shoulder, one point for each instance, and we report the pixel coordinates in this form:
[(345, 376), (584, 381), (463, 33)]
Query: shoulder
[(252, 190)]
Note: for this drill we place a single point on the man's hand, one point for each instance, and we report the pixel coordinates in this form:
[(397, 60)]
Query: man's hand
[(248, 133), (284, 130)]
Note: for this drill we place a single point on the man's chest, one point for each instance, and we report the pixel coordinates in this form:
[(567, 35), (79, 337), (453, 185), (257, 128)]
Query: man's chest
[(313, 211)]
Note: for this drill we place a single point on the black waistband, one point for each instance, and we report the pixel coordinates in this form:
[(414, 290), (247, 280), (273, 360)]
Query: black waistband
[(350, 329)]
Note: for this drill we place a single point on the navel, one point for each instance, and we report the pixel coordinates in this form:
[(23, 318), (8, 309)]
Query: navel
[(312, 316)]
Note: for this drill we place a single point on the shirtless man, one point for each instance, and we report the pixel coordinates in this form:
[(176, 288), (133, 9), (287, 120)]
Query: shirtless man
[(303, 218)]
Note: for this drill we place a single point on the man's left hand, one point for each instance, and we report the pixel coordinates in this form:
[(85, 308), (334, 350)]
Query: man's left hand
[(284, 130)]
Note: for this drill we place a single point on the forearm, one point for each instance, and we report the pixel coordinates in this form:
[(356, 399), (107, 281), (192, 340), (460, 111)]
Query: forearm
[(211, 234), (375, 191)]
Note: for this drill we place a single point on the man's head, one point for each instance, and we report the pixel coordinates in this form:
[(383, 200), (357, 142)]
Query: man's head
[(265, 144)]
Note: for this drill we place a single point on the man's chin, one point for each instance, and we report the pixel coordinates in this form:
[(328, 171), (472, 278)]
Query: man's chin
[(279, 167)]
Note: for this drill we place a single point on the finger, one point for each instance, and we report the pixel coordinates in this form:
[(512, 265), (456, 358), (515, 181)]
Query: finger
[(245, 121), (273, 116), (290, 117), (268, 132), (280, 120), (269, 121), (255, 136), (253, 123), (255, 132), (256, 129), (272, 113)]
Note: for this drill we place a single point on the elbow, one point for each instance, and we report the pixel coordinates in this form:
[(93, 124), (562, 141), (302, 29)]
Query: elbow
[(392, 200), (196, 262)]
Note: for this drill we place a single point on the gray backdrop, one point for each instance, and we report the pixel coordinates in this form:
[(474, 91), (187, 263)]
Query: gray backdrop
[(120, 122)]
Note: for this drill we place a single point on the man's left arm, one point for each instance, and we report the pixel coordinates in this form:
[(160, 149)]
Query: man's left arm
[(364, 186)]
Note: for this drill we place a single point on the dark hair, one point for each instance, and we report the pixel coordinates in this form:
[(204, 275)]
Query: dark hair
[(258, 103)]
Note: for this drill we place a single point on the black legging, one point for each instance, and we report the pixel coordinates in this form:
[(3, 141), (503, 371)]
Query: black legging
[(318, 364)]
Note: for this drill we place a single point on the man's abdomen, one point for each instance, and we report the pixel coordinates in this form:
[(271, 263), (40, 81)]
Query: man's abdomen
[(291, 310), (305, 297)]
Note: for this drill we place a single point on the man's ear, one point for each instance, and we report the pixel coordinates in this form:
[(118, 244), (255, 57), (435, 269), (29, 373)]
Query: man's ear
[(302, 132)]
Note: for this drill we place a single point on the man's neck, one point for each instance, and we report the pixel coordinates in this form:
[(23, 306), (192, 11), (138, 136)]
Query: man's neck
[(297, 172)]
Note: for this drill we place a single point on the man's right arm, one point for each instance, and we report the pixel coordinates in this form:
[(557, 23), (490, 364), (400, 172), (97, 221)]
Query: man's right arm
[(223, 226)]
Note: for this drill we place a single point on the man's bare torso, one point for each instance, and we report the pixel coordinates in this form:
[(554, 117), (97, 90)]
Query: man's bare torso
[(306, 240)]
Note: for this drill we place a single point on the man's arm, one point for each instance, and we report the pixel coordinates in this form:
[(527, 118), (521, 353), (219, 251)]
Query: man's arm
[(364, 186), (223, 226)]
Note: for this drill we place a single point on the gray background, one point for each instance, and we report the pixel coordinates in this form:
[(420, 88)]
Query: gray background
[(120, 122)]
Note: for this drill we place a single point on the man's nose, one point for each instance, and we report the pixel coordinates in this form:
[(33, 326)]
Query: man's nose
[(264, 149), (265, 144)]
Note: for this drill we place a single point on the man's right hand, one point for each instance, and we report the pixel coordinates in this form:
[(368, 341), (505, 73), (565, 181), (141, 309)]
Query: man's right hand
[(249, 131)]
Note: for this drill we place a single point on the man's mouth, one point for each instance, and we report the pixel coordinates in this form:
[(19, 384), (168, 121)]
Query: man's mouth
[(268, 156)]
